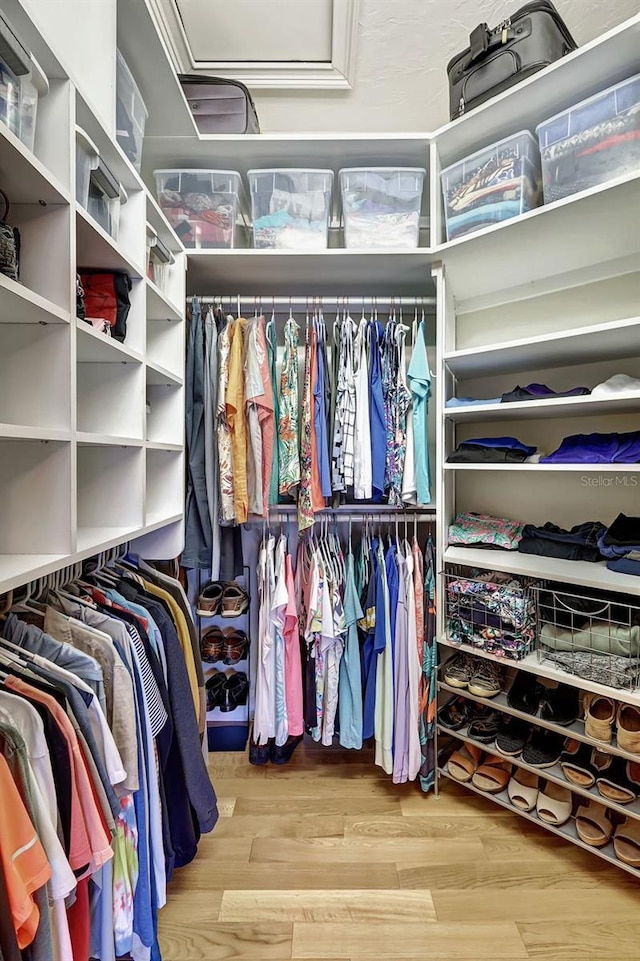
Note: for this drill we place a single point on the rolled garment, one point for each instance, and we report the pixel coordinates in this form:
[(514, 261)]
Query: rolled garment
[(603, 637)]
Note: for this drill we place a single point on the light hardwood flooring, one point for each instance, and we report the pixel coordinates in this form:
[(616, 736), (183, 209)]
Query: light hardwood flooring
[(327, 859)]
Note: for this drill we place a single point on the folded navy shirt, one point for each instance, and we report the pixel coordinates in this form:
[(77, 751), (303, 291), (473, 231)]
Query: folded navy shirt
[(597, 449), (540, 392)]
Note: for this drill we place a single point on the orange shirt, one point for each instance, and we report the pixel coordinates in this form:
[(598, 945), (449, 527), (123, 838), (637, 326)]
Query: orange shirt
[(24, 862), (235, 419)]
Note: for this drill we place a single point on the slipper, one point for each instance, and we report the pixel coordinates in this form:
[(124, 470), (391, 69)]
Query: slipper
[(211, 645), (492, 775), (613, 782), (554, 804), (209, 599), (593, 825), (599, 714), (485, 729), (455, 714), (464, 762), (235, 600), (512, 736), (626, 842), (575, 762), (628, 722), (523, 789)]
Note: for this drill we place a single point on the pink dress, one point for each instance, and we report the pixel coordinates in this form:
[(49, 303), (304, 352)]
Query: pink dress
[(292, 663)]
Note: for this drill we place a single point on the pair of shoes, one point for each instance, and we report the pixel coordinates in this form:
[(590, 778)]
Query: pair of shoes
[(260, 754), (616, 779), (553, 803), (218, 597), (595, 826), (560, 704), (228, 645), (227, 691), (460, 712), (490, 774), (601, 712), (537, 746), (480, 676)]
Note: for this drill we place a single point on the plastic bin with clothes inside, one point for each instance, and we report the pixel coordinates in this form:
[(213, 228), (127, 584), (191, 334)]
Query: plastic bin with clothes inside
[(131, 113), (592, 142), (381, 206), (106, 195), (201, 205), (492, 185), (291, 207), (22, 83), (87, 159), (159, 259)]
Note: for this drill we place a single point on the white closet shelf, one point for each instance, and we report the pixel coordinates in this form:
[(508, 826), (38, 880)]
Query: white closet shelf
[(20, 432), (87, 439), (163, 445), (110, 149), (157, 519), (313, 273), (25, 179), (95, 347), (567, 831), (585, 406), (158, 220), (580, 345), (590, 227), (548, 468), (575, 730), (532, 665), (595, 575), (15, 569), (159, 307), (553, 774), (156, 374), (92, 540), (20, 305), (96, 249)]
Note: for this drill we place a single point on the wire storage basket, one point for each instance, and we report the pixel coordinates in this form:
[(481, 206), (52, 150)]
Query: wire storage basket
[(493, 611), (592, 634)]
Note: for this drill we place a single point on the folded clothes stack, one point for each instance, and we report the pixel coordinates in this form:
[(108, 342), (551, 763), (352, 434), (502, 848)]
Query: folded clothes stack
[(580, 543), (491, 450), (617, 385), (620, 543), (597, 449), (483, 530)]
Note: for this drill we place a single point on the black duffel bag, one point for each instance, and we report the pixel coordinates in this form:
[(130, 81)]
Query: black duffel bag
[(495, 60)]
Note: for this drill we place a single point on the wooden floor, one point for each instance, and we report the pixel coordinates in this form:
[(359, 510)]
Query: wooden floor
[(325, 858)]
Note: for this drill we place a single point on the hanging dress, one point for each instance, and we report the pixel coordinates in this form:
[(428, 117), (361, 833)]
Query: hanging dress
[(362, 440), (279, 604), (350, 689), (272, 352), (377, 429), (288, 418), (420, 383), (429, 670), (305, 496), (223, 433)]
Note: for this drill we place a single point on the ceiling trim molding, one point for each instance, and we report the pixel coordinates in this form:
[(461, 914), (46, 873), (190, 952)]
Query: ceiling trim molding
[(339, 74)]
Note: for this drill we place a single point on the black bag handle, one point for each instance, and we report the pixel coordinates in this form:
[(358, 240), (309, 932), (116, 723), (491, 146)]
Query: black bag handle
[(7, 205), (479, 41)]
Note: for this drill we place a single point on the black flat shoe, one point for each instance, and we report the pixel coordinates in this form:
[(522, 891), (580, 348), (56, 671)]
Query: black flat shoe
[(560, 704), (485, 729), (236, 691), (455, 714), (282, 754), (525, 694), (544, 749), (215, 690), (512, 736), (259, 753)]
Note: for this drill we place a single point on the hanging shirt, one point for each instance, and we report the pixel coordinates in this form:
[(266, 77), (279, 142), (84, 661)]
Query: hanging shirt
[(264, 724), (362, 479), (234, 404), (420, 383), (401, 400), (305, 496), (279, 602), (377, 428), (293, 661), (223, 431), (401, 678), (320, 410), (272, 357), (414, 669), (210, 446), (350, 691), (288, 418), (384, 675)]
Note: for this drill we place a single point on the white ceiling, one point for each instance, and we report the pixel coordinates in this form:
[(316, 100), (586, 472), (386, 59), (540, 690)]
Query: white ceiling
[(402, 54)]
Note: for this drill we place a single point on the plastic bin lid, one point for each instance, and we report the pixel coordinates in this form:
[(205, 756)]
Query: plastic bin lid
[(383, 170), (160, 252), (132, 80), (490, 149), (583, 103), (12, 50), (109, 184), (290, 170), (86, 141), (198, 170)]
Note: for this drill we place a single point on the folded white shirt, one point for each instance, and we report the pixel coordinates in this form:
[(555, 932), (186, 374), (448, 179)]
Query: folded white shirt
[(618, 384)]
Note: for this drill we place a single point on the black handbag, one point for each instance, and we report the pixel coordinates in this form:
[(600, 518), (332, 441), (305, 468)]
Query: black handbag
[(220, 106), (535, 36), (9, 244)]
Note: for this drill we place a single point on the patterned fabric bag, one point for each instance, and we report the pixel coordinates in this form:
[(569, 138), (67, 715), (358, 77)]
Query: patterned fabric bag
[(9, 244)]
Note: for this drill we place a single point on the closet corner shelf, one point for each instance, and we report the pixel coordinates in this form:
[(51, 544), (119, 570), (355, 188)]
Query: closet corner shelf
[(20, 305), (549, 774), (155, 521), (159, 307), (88, 439), (15, 569), (163, 445), (585, 406), (44, 434), (156, 374), (580, 345), (550, 468), (92, 540), (549, 568), (313, 273), (596, 225), (25, 179), (532, 665), (96, 348), (96, 249), (566, 831)]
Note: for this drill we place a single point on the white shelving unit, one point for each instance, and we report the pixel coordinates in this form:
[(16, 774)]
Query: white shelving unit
[(75, 473)]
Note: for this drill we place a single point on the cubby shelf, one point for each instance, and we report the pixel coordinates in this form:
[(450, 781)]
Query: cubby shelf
[(96, 347), (86, 439), (96, 249), (586, 406), (25, 179), (159, 307), (20, 305), (156, 374), (20, 432), (631, 469)]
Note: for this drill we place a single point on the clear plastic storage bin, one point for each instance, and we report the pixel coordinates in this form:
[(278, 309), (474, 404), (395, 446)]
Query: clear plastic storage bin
[(87, 159), (106, 195), (22, 83), (201, 205), (131, 113), (592, 142), (291, 208), (381, 206), (159, 259), (494, 184)]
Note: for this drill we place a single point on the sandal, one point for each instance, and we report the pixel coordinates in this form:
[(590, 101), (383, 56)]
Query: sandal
[(554, 804), (235, 600), (575, 762), (599, 714), (485, 729), (210, 599), (523, 789), (215, 688), (613, 782), (235, 645), (593, 825), (464, 762), (211, 645), (512, 736), (493, 774), (236, 689), (455, 714), (628, 721), (626, 842)]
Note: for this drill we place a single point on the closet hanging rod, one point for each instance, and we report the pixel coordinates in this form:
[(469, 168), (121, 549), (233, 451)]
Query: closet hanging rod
[(348, 516), (357, 509), (354, 303)]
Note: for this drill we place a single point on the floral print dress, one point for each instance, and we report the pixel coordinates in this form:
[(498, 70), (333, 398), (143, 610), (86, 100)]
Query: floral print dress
[(288, 416)]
